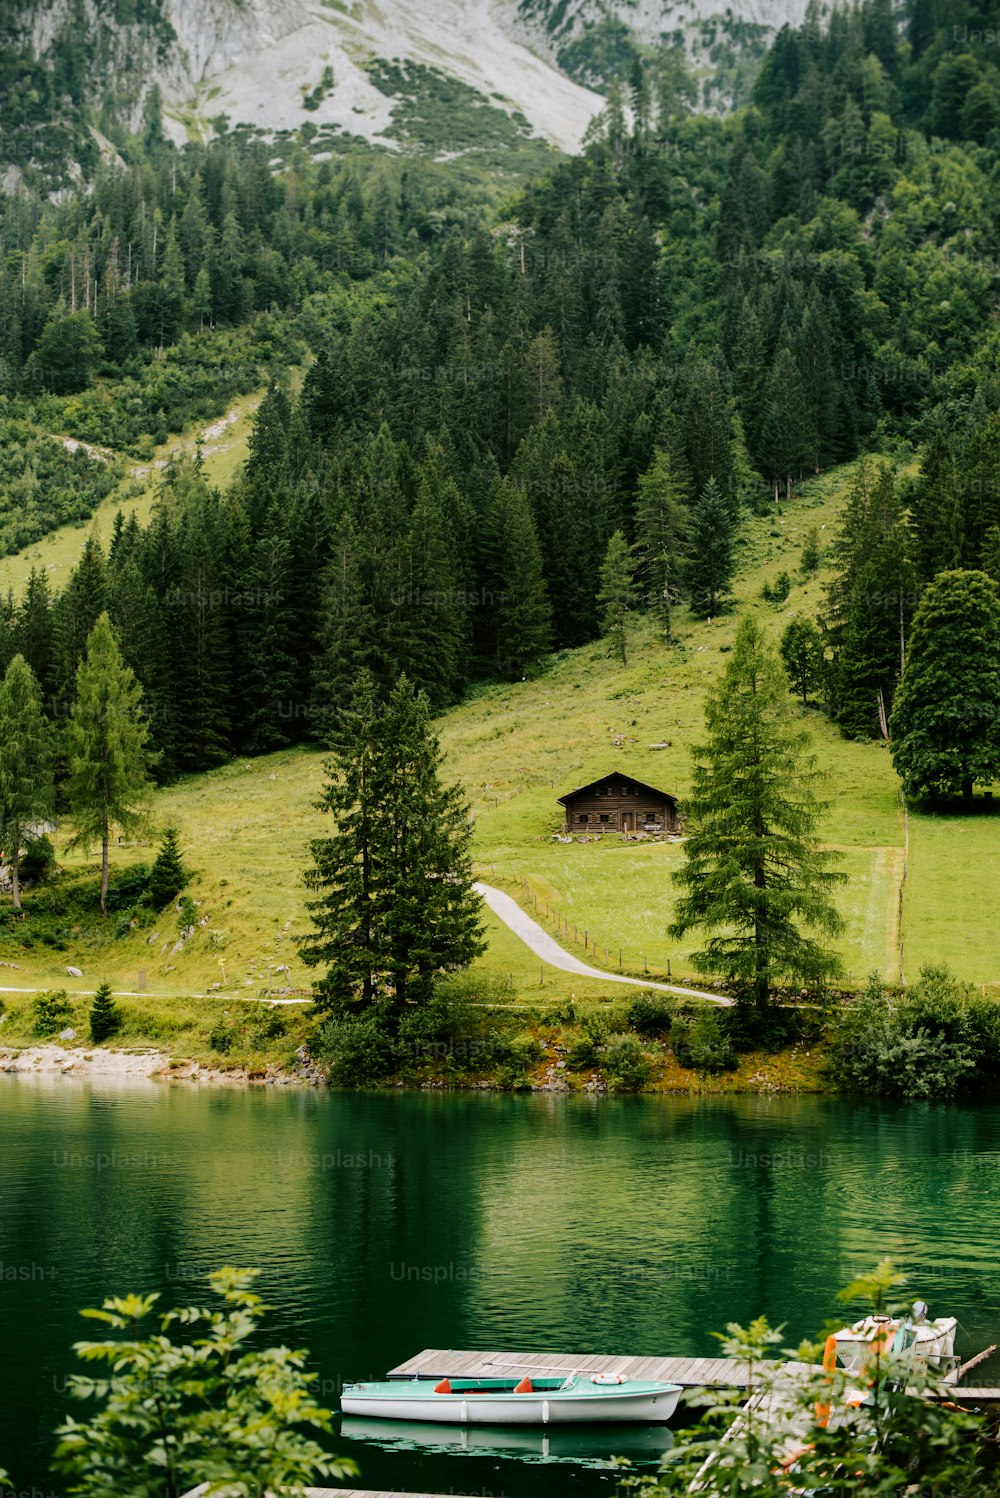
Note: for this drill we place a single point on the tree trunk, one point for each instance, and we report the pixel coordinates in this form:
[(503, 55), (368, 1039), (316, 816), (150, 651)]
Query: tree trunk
[(104, 873), (967, 790), (15, 876)]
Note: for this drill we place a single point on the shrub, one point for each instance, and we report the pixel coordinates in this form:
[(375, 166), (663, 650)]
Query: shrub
[(355, 1049), (51, 1012), (222, 1036), (932, 1042), (777, 591), (38, 860), (703, 1042), (625, 1063), (523, 1052), (105, 1018), (651, 1013), (187, 914), (582, 1053), (128, 887)]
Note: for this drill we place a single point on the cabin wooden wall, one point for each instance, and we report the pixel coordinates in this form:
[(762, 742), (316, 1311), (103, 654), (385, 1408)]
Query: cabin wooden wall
[(596, 804)]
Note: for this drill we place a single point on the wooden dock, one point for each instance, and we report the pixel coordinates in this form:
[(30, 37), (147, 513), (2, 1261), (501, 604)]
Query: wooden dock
[(690, 1373)]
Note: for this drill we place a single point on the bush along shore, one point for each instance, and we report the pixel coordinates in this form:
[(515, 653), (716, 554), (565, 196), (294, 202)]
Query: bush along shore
[(939, 1038)]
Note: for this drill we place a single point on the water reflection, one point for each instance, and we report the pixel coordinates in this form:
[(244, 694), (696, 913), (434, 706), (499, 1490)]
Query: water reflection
[(385, 1224)]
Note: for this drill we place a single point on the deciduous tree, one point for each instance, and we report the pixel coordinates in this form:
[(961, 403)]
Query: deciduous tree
[(945, 724)]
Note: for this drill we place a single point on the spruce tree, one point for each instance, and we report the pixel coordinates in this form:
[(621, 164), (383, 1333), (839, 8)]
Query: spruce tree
[(106, 738), (26, 796), (345, 634), (429, 912), (618, 594), (754, 875), (33, 633), (711, 564), (168, 876), (522, 609), (392, 904), (945, 724), (662, 528), (105, 1016)]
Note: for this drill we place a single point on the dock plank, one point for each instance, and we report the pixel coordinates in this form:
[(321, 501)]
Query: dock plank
[(690, 1373)]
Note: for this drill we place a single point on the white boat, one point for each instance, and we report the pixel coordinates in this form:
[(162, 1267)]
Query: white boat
[(929, 1342), (580, 1399)]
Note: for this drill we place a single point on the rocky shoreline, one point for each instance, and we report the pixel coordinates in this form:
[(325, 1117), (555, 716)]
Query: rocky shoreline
[(146, 1065)]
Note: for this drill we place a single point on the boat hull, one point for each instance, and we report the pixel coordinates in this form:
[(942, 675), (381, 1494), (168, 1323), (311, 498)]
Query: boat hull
[(602, 1407)]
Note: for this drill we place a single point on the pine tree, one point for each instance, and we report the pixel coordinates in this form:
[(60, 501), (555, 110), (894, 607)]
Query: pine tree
[(754, 871), (26, 796), (105, 1016), (109, 763), (343, 877), (618, 594), (945, 724), (168, 876), (788, 437), (430, 913), (802, 656), (662, 528), (74, 614), (33, 630), (346, 630), (393, 905), (267, 689), (523, 615), (711, 565)]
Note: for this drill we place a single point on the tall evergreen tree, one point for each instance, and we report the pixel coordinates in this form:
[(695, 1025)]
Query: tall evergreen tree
[(522, 608), (392, 904), (26, 796), (618, 595), (711, 565), (945, 724), (109, 761), (755, 876), (662, 528)]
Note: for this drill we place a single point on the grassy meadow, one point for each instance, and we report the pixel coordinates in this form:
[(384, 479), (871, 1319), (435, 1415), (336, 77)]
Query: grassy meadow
[(245, 827)]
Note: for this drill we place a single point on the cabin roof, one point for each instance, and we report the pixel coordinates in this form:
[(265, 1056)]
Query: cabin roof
[(616, 775)]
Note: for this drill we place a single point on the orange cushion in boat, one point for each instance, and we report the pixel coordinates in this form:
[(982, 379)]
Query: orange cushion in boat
[(444, 1387), (525, 1386)]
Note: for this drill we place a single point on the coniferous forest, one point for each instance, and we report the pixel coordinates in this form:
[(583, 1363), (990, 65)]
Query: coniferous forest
[(665, 332)]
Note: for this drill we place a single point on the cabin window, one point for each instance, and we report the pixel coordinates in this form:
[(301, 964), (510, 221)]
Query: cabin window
[(650, 817), (604, 816), (583, 817)]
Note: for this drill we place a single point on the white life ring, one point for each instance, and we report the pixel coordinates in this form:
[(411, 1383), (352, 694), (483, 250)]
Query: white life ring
[(609, 1378)]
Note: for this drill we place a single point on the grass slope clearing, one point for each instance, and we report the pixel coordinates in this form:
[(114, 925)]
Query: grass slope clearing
[(245, 827)]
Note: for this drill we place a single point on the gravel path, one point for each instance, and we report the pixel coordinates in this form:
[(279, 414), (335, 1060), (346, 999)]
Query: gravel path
[(548, 949)]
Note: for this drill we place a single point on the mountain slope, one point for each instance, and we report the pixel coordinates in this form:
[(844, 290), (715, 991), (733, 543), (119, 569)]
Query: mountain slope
[(278, 64)]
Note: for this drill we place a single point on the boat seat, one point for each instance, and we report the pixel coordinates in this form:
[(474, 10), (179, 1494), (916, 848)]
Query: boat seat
[(525, 1386)]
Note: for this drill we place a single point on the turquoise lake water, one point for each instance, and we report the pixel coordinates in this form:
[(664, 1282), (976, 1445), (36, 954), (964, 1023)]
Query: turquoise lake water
[(385, 1224)]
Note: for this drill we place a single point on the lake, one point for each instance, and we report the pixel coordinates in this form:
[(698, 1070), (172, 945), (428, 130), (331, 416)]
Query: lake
[(384, 1224)]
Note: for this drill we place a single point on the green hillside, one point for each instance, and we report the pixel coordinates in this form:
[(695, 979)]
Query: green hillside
[(516, 748)]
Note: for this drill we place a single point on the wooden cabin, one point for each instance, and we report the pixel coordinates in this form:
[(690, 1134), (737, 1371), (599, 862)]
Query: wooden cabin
[(619, 803)]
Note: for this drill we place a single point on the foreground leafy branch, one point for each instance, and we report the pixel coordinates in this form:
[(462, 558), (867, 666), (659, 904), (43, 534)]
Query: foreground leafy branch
[(174, 1415), (880, 1431)]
